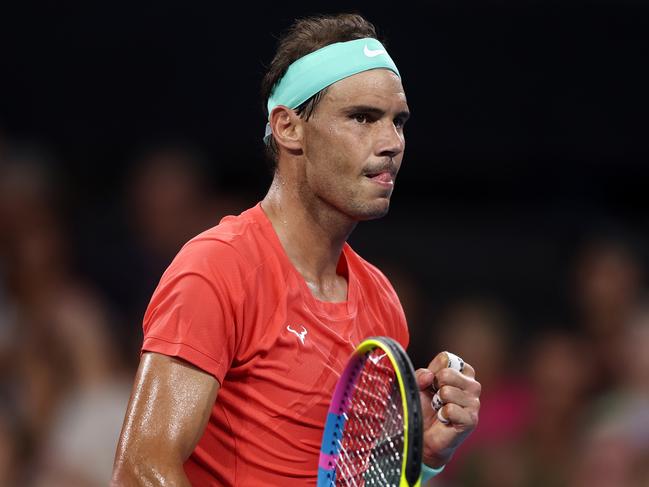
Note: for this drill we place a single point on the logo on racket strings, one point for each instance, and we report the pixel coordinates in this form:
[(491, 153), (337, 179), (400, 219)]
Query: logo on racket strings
[(376, 359), (301, 335)]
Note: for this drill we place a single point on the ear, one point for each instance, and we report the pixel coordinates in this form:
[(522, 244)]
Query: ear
[(287, 128)]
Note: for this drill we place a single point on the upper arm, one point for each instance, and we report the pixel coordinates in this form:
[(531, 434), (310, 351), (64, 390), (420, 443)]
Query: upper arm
[(169, 408)]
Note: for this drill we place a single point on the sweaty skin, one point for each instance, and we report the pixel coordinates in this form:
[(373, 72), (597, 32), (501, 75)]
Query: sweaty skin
[(322, 188), (339, 168), (169, 408), (334, 170), (326, 180)]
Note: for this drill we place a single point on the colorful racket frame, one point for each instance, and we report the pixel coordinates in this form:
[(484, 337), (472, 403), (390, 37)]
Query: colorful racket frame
[(341, 402)]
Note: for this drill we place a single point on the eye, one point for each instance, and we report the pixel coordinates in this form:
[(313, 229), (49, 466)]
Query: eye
[(399, 122), (361, 117)]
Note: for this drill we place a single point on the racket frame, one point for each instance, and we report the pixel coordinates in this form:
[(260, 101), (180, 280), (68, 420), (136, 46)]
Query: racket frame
[(411, 406)]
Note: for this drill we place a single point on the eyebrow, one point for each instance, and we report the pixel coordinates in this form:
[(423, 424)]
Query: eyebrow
[(405, 114)]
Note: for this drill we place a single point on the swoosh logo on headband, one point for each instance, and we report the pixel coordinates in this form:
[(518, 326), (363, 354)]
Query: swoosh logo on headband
[(372, 52)]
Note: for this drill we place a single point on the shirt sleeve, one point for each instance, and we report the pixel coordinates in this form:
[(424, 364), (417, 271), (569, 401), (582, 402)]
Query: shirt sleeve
[(192, 314)]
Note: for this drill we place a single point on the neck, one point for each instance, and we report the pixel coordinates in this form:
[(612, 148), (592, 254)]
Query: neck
[(312, 233)]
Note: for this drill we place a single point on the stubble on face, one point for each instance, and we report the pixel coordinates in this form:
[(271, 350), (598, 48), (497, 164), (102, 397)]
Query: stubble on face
[(344, 146)]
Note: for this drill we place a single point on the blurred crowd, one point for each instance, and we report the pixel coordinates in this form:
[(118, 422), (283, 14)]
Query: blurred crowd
[(565, 404), (73, 290)]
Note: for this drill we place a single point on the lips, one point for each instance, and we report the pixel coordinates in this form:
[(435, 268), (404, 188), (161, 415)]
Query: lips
[(383, 173), (384, 177)]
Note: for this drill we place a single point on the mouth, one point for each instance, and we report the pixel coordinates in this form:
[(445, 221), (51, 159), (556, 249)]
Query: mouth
[(383, 178)]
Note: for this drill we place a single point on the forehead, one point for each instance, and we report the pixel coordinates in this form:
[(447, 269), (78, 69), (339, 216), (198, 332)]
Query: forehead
[(376, 86)]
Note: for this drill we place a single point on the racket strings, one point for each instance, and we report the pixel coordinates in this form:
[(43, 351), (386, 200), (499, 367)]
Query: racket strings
[(372, 441)]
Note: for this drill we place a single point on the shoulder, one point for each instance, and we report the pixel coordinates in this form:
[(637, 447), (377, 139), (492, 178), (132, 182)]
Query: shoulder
[(232, 246)]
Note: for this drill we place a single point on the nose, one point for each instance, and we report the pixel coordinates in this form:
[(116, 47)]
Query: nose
[(391, 141)]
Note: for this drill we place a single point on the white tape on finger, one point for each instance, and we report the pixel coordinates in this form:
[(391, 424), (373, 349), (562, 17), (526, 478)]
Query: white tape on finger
[(436, 402), (441, 418), (455, 362)]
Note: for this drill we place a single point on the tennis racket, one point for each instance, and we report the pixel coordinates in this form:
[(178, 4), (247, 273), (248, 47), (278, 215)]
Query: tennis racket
[(374, 429)]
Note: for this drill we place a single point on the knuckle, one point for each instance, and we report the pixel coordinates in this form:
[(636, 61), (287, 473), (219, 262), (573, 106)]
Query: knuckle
[(443, 375), (444, 393), (476, 388), (422, 376), (476, 404), (451, 408), (442, 358), (439, 360), (475, 418)]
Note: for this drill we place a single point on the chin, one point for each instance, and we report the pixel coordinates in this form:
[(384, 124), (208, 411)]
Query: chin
[(372, 211)]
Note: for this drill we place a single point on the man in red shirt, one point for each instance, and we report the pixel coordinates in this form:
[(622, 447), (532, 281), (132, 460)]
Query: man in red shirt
[(264, 309)]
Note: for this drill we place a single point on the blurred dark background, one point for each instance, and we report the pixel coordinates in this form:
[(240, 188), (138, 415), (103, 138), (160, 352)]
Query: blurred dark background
[(517, 235)]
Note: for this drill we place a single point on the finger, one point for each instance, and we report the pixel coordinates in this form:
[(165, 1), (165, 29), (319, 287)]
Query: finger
[(455, 362), (453, 395), (438, 363), (458, 416), (450, 377), (450, 394), (448, 360), (424, 378), (468, 370), (441, 418), (436, 403)]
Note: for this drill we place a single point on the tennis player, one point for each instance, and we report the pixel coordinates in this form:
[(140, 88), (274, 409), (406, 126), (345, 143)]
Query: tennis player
[(253, 321)]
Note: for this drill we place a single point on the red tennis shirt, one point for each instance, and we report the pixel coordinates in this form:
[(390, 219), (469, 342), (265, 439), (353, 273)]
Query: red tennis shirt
[(232, 304)]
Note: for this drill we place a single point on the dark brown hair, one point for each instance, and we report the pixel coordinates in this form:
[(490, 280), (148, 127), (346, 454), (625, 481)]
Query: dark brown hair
[(303, 37)]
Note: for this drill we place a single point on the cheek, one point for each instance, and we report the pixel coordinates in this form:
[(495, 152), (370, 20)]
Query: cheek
[(331, 153), (330, 174), (328, 170)]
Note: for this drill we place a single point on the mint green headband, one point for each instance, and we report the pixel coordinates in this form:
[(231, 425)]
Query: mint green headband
[(319, 69)]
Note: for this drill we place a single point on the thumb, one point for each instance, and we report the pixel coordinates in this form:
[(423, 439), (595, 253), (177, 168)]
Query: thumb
[(424, 378)]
